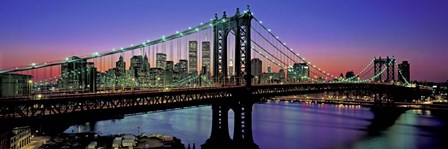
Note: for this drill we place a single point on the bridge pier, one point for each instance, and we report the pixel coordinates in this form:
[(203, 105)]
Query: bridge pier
[(220, 128), (242, 136)]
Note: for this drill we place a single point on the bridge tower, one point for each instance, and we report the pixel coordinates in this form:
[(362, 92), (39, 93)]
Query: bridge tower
[(389, 63), (239, 25)]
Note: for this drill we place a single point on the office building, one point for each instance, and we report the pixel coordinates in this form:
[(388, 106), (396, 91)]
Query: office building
[(120, 67), (183, 67), (206, 57), (75, 72), (12, 85), (193, 57), (404, 69), (156, 76), (161, 60), (17, 138), (169, 72), (256, 68), (302, 71)]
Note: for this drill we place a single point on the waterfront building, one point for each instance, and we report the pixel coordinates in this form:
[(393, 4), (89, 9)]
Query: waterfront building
[(15, 85), (77, 73)]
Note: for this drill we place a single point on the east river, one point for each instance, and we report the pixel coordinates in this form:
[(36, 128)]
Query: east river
[(286, 125)]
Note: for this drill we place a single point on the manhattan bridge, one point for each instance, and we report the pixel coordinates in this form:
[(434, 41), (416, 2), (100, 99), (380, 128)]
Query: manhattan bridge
[(240, 62)]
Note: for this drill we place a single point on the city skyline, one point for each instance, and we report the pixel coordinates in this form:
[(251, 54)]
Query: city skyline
[(350, 39)]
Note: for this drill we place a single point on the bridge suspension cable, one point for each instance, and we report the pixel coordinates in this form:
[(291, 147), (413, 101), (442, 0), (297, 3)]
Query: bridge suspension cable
[(376, 75), (402, 77), (294, 53), (362, 71)]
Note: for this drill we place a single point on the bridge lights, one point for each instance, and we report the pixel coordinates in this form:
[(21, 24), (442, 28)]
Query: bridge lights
[(261, 22), (269, 30), (33, 64)]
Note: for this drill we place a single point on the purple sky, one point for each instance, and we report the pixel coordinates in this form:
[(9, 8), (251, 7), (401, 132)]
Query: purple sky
[(335, 35)]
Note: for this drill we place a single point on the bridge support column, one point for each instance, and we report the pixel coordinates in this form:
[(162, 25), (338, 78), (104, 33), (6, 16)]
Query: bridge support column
[(242, 135), (219, 137)]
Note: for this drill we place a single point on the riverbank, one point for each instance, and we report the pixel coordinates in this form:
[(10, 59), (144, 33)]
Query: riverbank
[(94, 141)]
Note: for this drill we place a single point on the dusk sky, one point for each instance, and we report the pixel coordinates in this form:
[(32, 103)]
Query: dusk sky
[(336, 35)]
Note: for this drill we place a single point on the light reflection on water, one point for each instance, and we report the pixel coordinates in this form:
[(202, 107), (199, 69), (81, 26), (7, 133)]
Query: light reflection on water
[(281, 125)]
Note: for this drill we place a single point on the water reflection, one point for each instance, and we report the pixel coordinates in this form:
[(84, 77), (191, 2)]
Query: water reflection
[(288, 126)]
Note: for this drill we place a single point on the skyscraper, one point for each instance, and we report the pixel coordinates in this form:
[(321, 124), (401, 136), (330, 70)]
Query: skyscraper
[(121, 67), (75, 74), (192, 57), (183, 68), (302, 71), (256, 66), (206, 56), (169, 72), (404, 69), (136, 66), (161, 60)]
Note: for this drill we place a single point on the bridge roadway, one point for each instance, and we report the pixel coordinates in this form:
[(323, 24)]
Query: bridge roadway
[(182, 97)]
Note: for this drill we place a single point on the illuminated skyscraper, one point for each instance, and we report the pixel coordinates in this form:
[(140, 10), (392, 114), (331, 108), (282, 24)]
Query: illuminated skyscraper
[(193, 57), (169, 72), (302, 71), (161, 60), (256, 67), (183, 68), (121, 67), (206, 56)]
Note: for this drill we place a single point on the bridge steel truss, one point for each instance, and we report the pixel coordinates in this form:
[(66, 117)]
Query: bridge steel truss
[(222, 99), (382, 92), (148, 100)]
